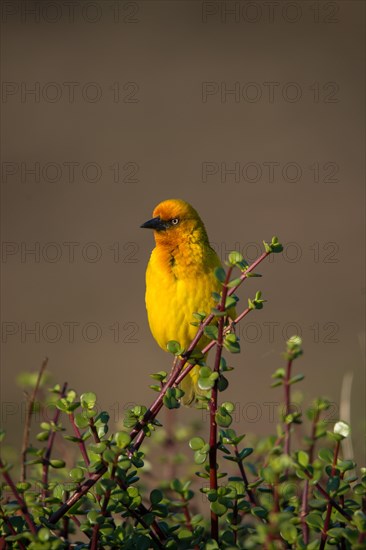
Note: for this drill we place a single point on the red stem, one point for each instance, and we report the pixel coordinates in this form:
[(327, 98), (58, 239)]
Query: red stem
[(244, 476), (11, 529), (213, 408), (28, 420), (49, 447), (80, 442), (18, 498), (324, 535), (305, 494), (286, 384)]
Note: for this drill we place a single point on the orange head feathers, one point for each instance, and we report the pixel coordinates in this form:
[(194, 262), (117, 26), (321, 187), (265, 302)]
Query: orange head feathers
[(176, 221)]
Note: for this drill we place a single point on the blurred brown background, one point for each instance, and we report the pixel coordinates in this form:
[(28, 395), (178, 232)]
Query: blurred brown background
[(251, 111)]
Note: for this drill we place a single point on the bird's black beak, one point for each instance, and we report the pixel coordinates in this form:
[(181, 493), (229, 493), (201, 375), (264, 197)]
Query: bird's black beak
[(155, 223)]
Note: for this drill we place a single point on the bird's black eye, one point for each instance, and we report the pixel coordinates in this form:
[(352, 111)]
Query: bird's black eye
[(174, 221)]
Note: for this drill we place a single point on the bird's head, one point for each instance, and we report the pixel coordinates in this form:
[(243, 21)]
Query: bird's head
[(175, 221)]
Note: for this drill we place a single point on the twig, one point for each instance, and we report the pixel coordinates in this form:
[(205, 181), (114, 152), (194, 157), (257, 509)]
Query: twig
[(80, 440), (138, 515), (305, 494), (244, 476), (11, 528), (50, 442), (324, 534), (21, 502), (65, 523), (28, 419), (286, 384), (329, 498), (187, 514), (213, 408)]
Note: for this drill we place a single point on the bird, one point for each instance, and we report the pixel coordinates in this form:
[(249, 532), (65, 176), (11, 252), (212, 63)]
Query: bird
[(180, 280)]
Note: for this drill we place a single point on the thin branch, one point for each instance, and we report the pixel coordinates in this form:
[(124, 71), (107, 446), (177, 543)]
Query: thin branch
[(50, 442), (138, 515), (244, 477), (286, 384), (81, 443), (21, 502), (324, 534), (187, 514), (10, 527), (329, 498), (305, 494), (213, 407), (28, 420)]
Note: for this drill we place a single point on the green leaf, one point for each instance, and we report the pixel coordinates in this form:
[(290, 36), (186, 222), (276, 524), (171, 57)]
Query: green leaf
[(336, 532), (88, 400), (174, 347), (184, 534), (56, 463), (288, 532), (98, 448), (259, 512), (294, 347), (122, 439), (220, 274), (156, 496), (303, 458), (196, 443), (279, 373), (234, 282), (211, 545), (276, 384), (231, 343), (297, 378), (314, 520), (43, 436), (81, 420), (332, 484), (274, 247), (223, 418), (171, 402), (230, 302), (212, 332), (359, 519), (200, 457), (234, 257), (326, 455), (245, 452), (76, 474), (161, 375), (44, 534), (222, 383), (218, 508)]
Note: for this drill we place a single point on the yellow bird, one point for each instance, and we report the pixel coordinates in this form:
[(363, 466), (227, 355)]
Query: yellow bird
[(180, 279)]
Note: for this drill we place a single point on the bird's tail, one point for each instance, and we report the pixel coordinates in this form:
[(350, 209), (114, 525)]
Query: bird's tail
[(190, 387)]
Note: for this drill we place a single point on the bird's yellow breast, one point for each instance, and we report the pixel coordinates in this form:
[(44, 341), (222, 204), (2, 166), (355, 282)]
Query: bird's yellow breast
[(179, 282)]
